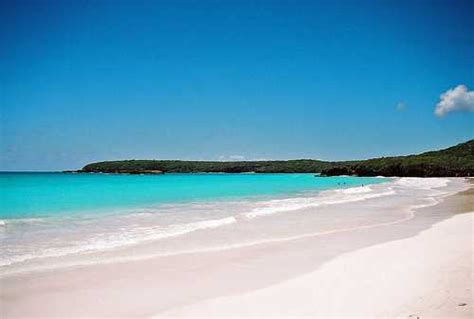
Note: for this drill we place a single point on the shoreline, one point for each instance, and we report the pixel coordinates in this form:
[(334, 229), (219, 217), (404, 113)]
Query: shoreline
[(404, 278), (385, 280), (153, 219), (184, 280), (438, 284)]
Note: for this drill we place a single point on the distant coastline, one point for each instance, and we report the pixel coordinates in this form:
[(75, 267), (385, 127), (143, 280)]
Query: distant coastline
[(456, 161)]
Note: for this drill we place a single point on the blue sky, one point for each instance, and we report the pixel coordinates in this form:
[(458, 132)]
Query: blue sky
[(84, 81)]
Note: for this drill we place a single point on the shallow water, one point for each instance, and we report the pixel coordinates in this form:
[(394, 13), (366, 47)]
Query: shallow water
[(33, 195), (52, 220), (48, 215)]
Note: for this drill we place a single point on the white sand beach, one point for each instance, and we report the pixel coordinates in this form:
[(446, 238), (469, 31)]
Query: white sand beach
[(406, 254), (236, 159), (429, 275)]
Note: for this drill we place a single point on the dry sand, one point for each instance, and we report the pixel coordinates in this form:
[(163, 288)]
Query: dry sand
[(429, 275)]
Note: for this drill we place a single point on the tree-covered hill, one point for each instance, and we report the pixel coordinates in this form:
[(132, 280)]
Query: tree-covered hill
[(172, 166), (454, 161)]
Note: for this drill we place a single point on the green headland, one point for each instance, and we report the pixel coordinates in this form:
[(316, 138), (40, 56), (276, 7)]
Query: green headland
[(453, 161)]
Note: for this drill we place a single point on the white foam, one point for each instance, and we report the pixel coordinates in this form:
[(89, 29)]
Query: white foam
[(356, 190), (408, 213), (325, 198), (132, 236), (4, 222), (353, 194), (424, 183)]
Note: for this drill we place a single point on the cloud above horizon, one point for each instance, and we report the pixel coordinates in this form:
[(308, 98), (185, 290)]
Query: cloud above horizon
[(456, 99)]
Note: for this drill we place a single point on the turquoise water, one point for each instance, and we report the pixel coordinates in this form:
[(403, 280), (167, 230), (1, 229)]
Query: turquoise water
[(30, 195), (44, 216)]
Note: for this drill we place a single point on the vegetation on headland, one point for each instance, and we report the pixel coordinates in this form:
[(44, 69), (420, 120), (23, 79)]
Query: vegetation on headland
[(174, 166), (454, 161)]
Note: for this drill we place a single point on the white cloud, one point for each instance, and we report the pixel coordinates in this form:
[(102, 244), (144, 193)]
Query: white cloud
[(457, 99)]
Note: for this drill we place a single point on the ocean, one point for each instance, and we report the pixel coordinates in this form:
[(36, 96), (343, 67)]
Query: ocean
[(46, 216)]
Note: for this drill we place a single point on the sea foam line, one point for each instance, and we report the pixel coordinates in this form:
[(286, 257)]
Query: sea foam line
[(353, 194), (101, 244), (146, 234), (409, 214)]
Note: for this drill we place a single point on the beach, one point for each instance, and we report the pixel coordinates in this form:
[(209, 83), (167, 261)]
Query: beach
[(428, 275), (237, 159), (396, 249)]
